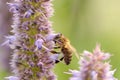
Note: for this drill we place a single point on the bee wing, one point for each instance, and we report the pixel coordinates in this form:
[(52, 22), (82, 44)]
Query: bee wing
[(74, 50)]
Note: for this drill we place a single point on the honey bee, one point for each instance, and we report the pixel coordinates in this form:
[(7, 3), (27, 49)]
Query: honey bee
[(66, 48)]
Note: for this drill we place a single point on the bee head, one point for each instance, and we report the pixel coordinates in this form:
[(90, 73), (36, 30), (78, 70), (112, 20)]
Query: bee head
[(58, 36)]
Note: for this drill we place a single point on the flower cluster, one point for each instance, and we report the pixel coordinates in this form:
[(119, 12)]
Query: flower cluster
[(93, 67), (32, 40)]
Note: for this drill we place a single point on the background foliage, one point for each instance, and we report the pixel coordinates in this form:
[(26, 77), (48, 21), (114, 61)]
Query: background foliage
[(85, 23)]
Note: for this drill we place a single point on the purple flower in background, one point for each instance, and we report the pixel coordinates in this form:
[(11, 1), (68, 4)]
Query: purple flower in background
[(31, 40), (93, 67)]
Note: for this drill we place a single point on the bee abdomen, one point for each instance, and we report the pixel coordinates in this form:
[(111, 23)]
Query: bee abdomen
[(67, 55), (67, 59)]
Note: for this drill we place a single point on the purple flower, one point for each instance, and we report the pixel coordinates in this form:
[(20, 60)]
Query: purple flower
[(12, 78), (14, 7), (93, 67), (10, 40), (38, 43), (32, 40), (28, 13)]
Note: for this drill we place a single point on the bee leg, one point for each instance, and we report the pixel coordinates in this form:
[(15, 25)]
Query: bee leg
[(54, 52), (57, 47), (61, 58), (57, 61)]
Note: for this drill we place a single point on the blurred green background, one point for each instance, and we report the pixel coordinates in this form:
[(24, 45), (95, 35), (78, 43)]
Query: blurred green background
[(85, 23)]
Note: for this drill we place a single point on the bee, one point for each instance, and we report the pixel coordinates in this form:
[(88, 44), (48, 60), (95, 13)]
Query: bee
[(66, 48)]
